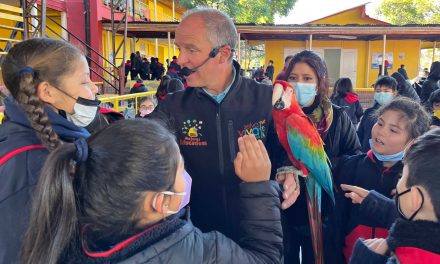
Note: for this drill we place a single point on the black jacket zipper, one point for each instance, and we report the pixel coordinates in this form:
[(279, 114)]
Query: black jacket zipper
[(231, 139)]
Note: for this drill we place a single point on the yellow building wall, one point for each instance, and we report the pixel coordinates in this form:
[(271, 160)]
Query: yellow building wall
[(408, 49), (429, 45), (404, 52), (164, 13), (55, 15), (275, 52), (353, 16), (6, 33)]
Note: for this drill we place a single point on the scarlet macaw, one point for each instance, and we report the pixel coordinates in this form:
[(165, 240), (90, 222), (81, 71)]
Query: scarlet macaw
[(304, 146)]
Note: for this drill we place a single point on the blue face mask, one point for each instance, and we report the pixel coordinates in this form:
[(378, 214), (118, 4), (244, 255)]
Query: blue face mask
[(305, 92), (393, 157), (383, 98)]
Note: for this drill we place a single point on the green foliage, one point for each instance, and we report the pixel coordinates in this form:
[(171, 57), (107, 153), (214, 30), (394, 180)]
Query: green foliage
[(246, 11), (401, 12)]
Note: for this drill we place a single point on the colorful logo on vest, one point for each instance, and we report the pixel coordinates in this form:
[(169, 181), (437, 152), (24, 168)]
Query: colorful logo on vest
[(258, 129), (192, 133)]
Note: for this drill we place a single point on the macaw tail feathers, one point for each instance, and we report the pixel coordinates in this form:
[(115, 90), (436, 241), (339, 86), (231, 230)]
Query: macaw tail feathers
[(314, 210)]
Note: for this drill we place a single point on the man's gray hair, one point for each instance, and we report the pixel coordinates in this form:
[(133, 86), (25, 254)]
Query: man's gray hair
[(219, 26)]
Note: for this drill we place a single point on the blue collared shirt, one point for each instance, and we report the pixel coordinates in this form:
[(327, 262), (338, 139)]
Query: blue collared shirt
[(219, 97)]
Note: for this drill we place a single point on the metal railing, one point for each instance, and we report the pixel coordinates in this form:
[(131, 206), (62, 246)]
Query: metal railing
[(118, 103), (121, 102), (14, 14)]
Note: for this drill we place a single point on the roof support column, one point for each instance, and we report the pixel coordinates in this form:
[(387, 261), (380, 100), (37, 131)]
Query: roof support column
[(169, 47), (433, 51), (174, 19), (64, 33), (310, 41), (383, 53), (245, 55), (238, 51), (155, 11), (367, 79), (43, 18), (156, 42)]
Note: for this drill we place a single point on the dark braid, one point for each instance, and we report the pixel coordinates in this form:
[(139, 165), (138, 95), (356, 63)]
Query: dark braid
[(34, 108), (46, 60)]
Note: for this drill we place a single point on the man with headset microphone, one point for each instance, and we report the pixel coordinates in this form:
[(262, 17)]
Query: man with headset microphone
[(218, 107)]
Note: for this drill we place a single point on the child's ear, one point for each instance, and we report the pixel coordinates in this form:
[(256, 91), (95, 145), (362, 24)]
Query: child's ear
[(161, 203), (45, 93), (416, 199)]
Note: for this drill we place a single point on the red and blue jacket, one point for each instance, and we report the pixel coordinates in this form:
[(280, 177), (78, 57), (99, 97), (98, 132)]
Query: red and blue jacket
[(410, 242), (349, 222), (21, 158)]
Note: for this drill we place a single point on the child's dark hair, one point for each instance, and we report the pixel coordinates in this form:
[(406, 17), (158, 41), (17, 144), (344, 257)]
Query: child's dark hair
[(423, 161), (434, 97), (416, 116), (342, 87), (288, 57), (317, 64), (27, 65), (386, 81), (105, 195), (162, 89)]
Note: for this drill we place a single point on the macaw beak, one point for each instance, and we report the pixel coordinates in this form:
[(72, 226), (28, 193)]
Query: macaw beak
[(277, 97)]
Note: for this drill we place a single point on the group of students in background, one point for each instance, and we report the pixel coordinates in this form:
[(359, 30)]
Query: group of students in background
[(139, 67), (87, 208)]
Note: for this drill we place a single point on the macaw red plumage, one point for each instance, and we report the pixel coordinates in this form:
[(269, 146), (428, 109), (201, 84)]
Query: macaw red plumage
[(305, 149)]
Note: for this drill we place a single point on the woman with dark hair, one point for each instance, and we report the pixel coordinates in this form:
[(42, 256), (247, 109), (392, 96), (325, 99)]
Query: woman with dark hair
[(344, 97), (90, 209), (308, 74)]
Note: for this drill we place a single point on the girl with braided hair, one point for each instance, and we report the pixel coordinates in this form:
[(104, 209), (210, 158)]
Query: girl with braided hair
[(52, 100)]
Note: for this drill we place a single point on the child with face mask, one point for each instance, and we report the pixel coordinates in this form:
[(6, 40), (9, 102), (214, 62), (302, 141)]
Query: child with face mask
[(398, 124), (385, 89), (434, 101), (146, 106), (414, 235), (90, 209), (51, 102)]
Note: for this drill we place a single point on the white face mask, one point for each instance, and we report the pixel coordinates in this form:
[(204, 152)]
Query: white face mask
[(84, 112)]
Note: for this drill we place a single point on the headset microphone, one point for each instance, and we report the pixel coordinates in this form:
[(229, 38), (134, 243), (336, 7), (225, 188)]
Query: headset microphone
[(187, 71)]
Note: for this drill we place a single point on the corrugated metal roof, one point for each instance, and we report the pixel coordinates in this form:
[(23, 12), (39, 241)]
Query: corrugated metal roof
[(427, 32)]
